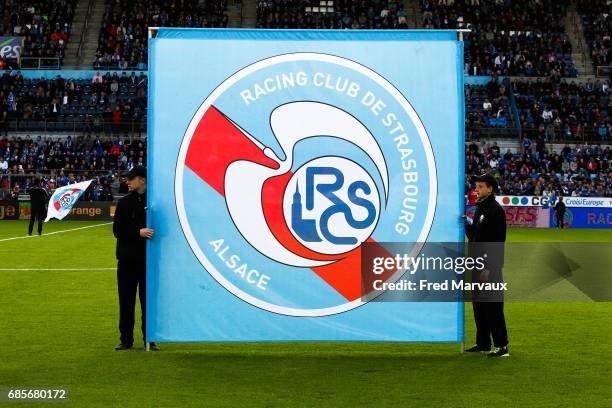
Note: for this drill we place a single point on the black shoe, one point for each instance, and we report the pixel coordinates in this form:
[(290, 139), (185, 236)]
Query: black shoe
[(123, 346), (478, 349), (153, 347), (500, 352)]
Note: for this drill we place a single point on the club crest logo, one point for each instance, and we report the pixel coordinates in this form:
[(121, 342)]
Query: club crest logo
[(288, 167), (67, 198)]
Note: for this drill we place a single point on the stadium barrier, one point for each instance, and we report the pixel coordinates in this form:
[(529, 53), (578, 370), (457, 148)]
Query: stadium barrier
[(82, 211), (68, 73), (584, 217), (543, 201), (83, 123), (538, 211), (521, 216)]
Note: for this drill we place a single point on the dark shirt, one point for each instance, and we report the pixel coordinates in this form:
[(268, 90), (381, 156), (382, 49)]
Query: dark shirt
[(489, 225), (560, 207), (38, 199), (130, 217), (489, 222)]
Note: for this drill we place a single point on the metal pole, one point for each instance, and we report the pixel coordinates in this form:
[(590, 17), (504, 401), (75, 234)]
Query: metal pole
[(460, 33), (460, 38)]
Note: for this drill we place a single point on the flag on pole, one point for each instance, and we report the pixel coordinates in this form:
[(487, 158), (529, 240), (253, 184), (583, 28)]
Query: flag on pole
[(64, 198)]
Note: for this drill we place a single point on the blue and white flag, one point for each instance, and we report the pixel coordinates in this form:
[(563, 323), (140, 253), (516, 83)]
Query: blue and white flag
[(64, 198)]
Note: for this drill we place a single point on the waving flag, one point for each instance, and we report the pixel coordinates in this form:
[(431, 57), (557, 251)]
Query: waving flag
[(64, 198)]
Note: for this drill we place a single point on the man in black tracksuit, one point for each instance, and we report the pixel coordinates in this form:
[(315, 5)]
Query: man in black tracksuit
[(129, 227), (488, 232), (560, 212), (38, 206)]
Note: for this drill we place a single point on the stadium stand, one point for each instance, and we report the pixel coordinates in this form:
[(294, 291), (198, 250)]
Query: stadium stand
[(518, 38), (514, 39), (567, 111), (45, 26), (597, 27), (583, 171), (123, 35), (103, 103), (67, 161), (338, 14), (488, 110)]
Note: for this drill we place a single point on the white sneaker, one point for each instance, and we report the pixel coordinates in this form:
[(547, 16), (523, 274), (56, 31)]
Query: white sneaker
[(499, 352)]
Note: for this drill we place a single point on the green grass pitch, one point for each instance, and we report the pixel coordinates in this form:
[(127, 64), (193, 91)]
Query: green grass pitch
[(58, 328)]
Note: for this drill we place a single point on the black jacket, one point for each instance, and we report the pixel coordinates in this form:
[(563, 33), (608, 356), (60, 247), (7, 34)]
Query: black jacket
[(38, 199), (130, 217), (489, 222), (489, 226), (560, 207)]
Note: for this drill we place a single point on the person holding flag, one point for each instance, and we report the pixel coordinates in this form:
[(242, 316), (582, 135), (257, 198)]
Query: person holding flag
[(38, 204), (130, 229)]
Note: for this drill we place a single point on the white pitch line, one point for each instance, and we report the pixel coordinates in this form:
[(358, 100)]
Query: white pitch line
[(57, 269), (55, 232)]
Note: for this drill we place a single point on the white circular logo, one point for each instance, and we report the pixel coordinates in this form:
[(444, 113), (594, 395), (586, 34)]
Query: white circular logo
[(318, 169)]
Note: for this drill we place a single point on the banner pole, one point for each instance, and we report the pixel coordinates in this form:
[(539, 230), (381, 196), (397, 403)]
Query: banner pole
[(460, 34), (152, 32)]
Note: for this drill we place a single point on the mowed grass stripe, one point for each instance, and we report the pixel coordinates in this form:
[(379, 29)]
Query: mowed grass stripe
[(83, 245), (46, 234)]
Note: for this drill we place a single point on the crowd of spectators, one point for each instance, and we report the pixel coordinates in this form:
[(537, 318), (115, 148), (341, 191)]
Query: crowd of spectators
[(104, 187), (123, 34), (100, 101), (45, 26), (564, 111), (518, 38), (67, 161), (488, 106), (597, 28), (581, 171), (337, 14)]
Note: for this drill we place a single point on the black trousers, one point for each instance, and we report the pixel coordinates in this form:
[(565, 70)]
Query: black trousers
[(490, 322), (131, 276), (559, 217), (36, 215)]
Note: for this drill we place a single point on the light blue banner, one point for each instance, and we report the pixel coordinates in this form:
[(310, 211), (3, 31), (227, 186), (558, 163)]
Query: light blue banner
[(65, 73), (273, 155)]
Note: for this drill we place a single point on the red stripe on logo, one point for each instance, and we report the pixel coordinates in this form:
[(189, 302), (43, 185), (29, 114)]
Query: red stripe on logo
[(215, 144)]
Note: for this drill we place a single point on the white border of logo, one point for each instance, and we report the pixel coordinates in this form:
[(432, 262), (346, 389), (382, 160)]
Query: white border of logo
[(229, 82)]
